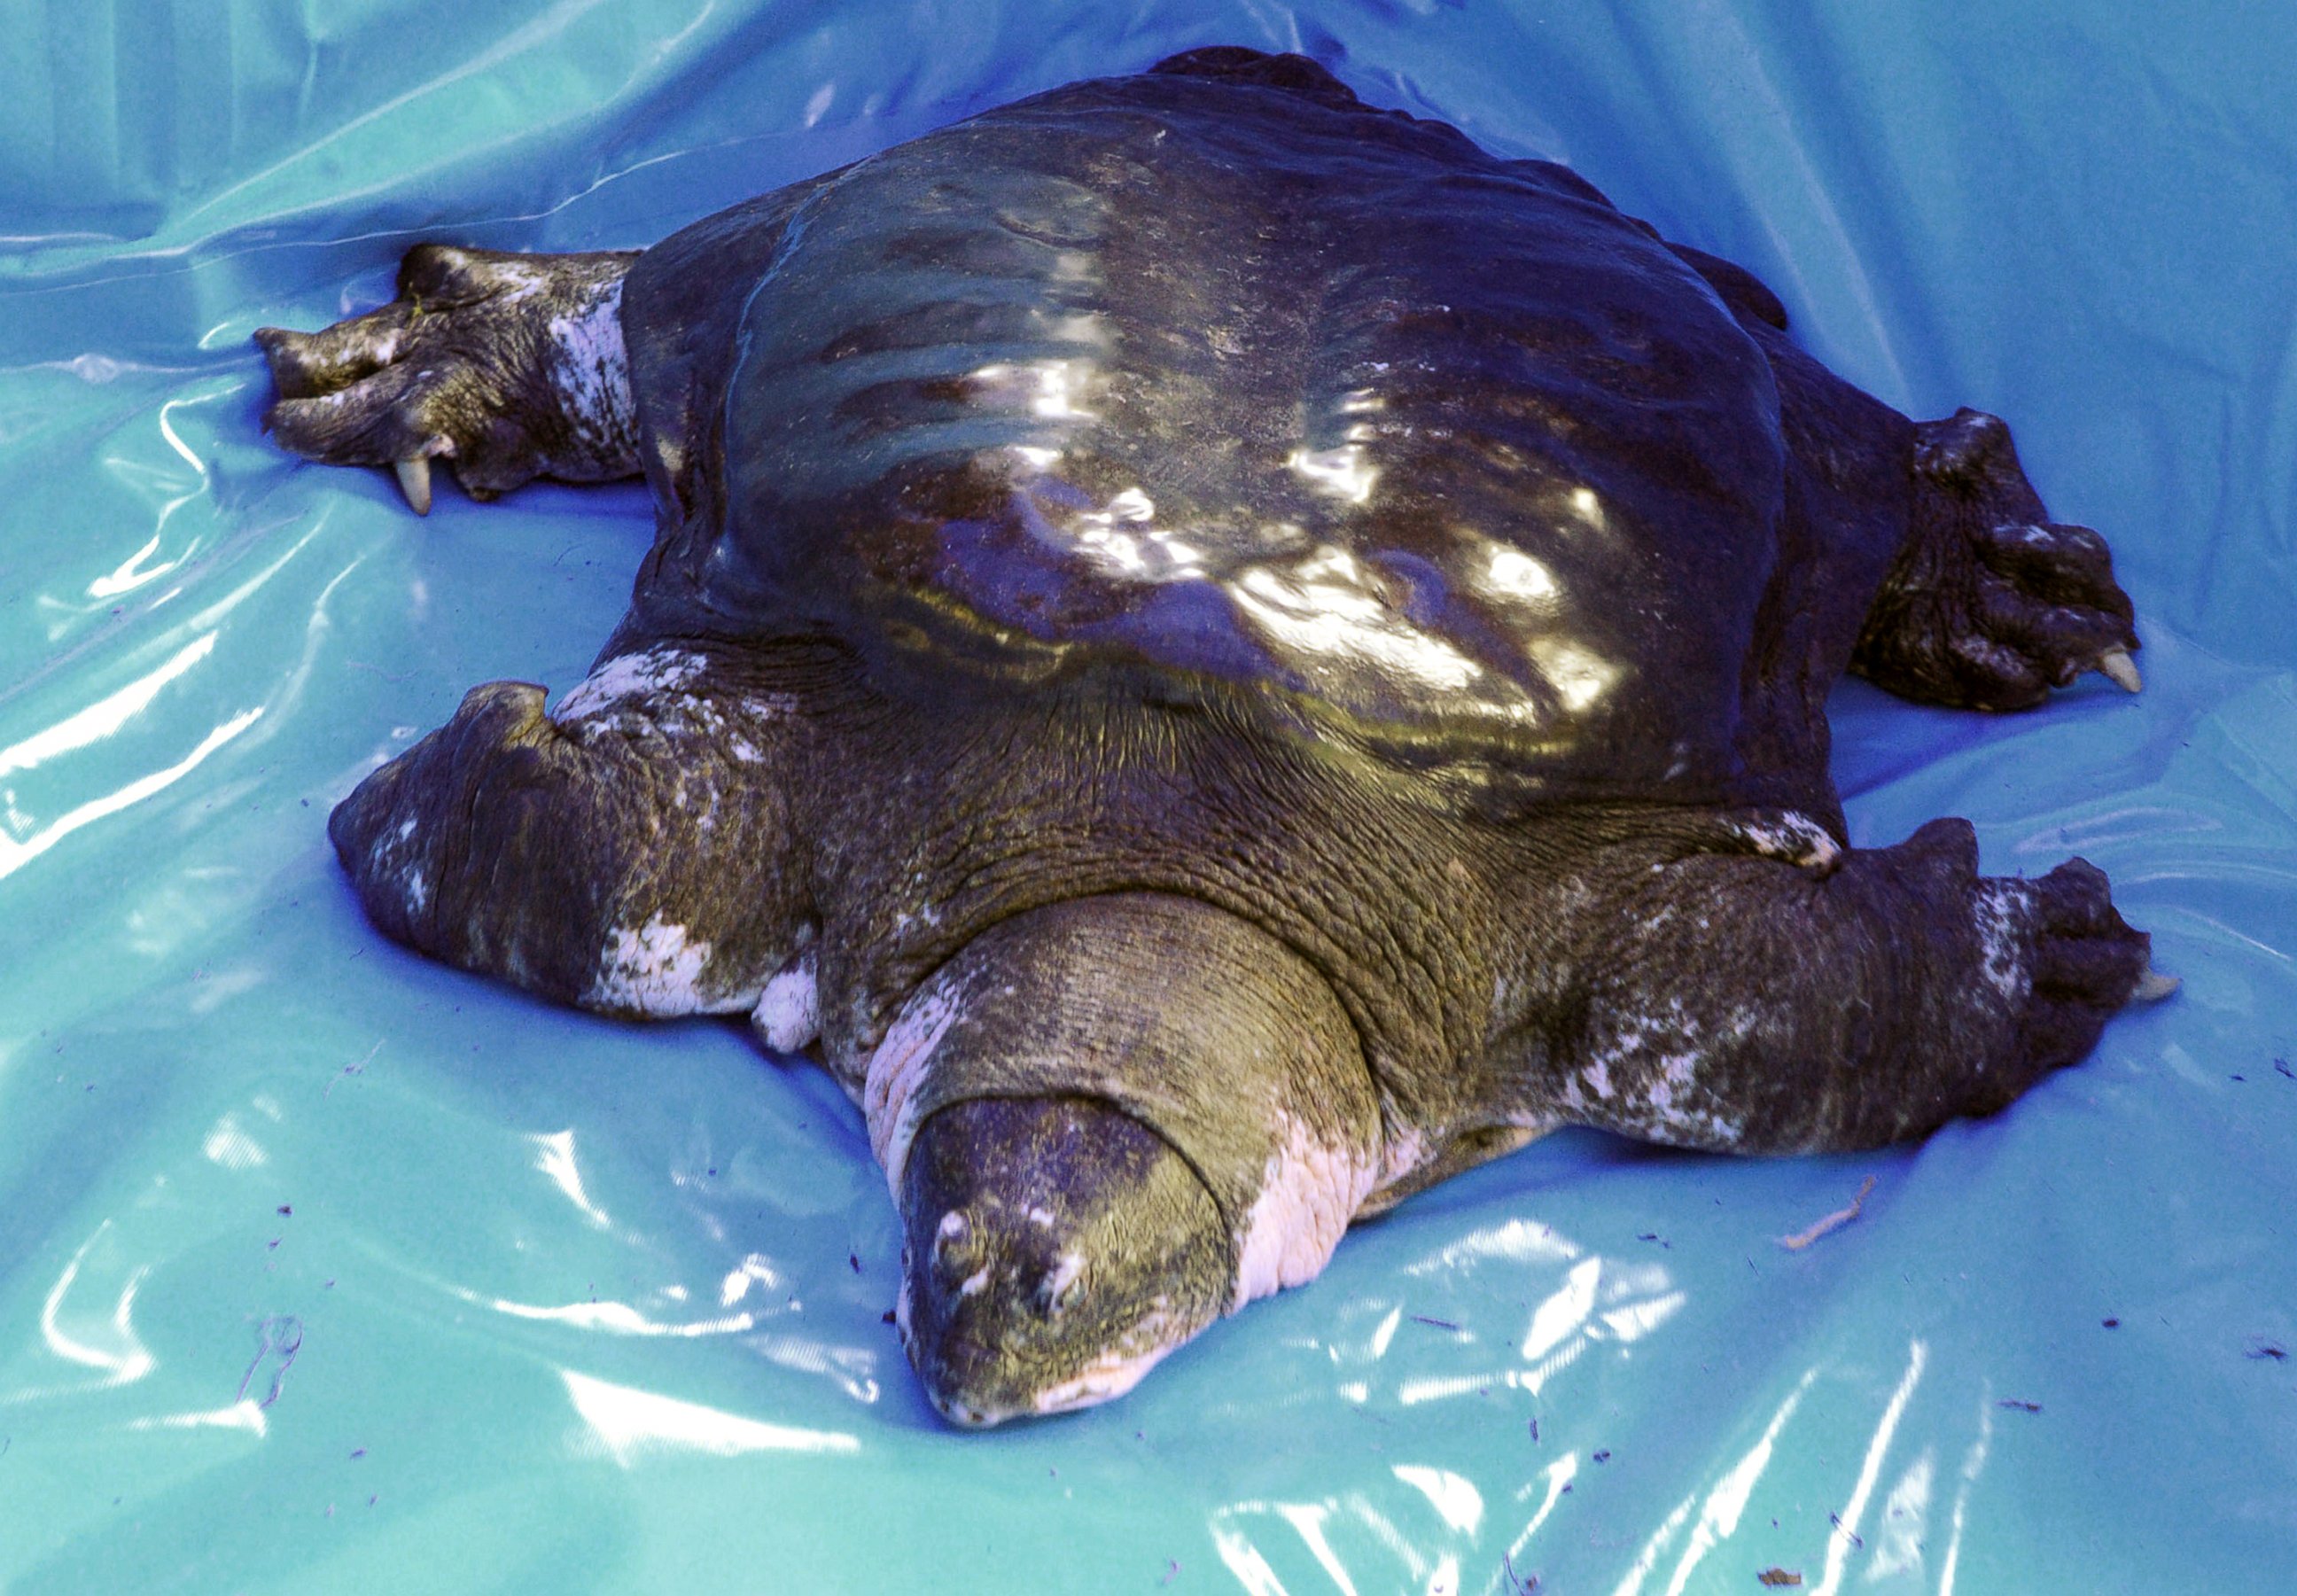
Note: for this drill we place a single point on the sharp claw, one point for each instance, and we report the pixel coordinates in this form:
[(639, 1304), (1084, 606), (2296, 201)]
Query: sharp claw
[(2119, 668), (415, 482), (2153, 986)]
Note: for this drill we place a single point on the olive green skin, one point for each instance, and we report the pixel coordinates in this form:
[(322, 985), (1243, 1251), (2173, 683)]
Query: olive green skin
[(1166, 910)]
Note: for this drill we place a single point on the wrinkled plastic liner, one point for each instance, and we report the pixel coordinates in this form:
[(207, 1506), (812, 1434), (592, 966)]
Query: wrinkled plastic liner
[(324, 1268)]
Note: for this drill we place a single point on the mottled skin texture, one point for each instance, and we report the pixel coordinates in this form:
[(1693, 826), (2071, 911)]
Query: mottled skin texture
[(1159, 931), (452, 369)]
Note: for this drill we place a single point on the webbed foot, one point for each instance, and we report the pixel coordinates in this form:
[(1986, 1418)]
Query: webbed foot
[(1736, 1004), (630, 854), (505, 366), (1991, 605), (2063, 961)]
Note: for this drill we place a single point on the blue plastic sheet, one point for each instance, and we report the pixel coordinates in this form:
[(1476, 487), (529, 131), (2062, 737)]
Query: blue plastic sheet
[(323, 1268)]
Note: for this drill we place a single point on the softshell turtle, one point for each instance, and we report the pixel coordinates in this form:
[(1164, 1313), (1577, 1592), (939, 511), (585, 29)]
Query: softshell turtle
[(1224, 654)]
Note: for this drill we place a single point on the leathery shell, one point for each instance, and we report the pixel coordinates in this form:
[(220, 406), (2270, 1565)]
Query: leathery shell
[(1248, 390)]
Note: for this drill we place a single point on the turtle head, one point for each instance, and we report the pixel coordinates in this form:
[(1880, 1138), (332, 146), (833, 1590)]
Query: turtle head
[(1055, 1250)]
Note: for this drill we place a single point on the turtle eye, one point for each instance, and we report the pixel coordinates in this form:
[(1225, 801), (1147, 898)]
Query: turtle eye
[(957, 1249), (1061, 1286)]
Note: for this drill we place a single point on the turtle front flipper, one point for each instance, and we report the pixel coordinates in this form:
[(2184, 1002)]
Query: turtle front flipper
[(1991, 604), (632, 853), (1109, 1122), (1742, 1003), (505, 366)]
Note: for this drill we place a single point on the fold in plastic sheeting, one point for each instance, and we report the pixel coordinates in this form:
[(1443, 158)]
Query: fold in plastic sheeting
[(323, 1268)]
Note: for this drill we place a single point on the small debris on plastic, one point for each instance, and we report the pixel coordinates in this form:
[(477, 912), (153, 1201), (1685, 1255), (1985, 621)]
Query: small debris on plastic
[(1832, 1221), (281, 1334), (1779, 1577), (353, 1069), (2259, 1347), (2019, 1403)]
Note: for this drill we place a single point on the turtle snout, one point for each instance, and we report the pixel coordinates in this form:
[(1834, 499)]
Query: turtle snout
[(1055, 1250)]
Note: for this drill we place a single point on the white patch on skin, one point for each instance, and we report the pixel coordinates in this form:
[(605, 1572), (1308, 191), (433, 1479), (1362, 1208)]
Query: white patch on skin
[(396, 855), (889, 1086), (1406, 1151), (2001, 909), (1064, 1273), (1308, 1193), (1988, 656), (975, 1283), (1657, 1058), (658, 669), (953, 1224), (1112, 1373), (520, 281), (1794, 837), (384, 349), (654, 970), (1043, 1218), (590, 371), (788, 1015), (663, 691)]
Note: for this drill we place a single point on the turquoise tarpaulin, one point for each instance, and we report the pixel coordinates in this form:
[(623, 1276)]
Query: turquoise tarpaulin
[(323, 1268)]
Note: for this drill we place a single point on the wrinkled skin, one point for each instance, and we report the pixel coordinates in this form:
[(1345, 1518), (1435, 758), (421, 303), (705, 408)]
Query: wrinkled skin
[(1198, 773)]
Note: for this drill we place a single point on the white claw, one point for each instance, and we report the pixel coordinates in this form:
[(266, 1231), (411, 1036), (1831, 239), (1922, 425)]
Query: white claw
[(2118, 667), (2153, 986), (415, 482)]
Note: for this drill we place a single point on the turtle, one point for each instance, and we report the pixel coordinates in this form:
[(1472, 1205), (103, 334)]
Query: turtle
[(1219, 654)]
